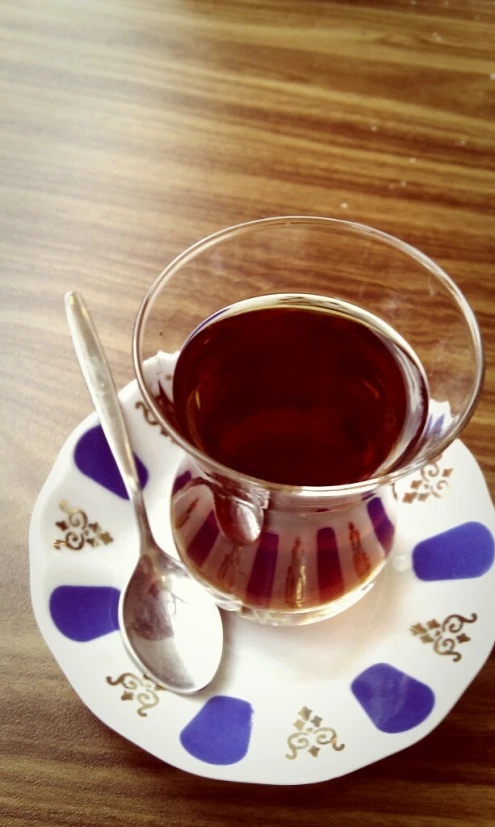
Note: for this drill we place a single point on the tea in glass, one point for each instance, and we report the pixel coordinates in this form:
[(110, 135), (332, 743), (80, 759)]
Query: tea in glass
[(300, 391), (312, 362)]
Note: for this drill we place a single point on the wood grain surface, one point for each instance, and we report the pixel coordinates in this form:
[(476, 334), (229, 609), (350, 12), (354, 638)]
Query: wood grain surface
[(130, 129)]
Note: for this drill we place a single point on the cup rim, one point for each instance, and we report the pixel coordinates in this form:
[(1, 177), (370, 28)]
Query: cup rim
[(317, 492)]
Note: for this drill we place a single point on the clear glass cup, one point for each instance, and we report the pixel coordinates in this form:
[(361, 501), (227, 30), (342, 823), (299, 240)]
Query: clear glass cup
[(278, 553)]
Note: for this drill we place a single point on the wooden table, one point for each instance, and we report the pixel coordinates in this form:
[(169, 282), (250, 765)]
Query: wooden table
[(130, 129)]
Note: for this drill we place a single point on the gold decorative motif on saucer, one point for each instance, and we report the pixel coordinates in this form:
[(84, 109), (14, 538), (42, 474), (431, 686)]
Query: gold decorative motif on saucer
[(445, 636), (141, 690), (78, 531), (310, 735), (432, 481)]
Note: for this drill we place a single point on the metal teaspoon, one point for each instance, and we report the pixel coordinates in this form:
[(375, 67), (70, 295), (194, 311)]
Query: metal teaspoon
[(169, 623)]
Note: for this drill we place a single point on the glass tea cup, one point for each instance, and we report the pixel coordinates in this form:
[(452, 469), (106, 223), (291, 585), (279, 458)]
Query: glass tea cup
[(276, 552)]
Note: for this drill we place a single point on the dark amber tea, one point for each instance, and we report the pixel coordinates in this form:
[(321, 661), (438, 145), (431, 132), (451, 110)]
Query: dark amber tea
[(299, 393)]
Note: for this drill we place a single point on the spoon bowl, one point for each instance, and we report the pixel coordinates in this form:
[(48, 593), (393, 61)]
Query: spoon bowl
[(170, 625)]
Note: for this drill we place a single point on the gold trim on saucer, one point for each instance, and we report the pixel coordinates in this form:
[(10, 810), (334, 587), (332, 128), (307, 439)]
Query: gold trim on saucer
[(432, 481), (310, 735), (445, 636), (295, 586), (360, 559), (184, 517), (78, 531), (150, 416), (142, 690)]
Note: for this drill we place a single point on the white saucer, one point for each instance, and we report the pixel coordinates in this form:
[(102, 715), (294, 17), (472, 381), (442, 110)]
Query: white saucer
[(288, 706)]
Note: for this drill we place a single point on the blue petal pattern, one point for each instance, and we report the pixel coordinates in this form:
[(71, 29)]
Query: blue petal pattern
[(460, 553), (94, 459), (383, 527), (84, 613), (220, 732), (394, 702)]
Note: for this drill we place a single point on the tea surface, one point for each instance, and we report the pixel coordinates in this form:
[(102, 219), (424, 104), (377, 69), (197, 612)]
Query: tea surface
[(298, 395)]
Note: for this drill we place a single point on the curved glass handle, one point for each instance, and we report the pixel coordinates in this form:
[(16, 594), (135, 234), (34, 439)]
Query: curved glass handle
[(240, 521)]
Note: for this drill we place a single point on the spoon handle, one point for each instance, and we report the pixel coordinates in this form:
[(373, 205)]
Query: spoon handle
[(95, 369)]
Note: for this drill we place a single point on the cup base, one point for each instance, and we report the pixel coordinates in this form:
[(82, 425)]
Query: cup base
[(301, 617)]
